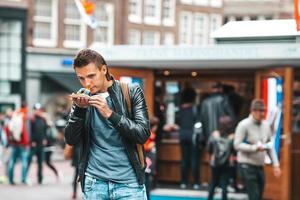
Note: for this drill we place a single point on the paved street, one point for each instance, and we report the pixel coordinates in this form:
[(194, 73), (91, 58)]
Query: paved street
[(51, 189)]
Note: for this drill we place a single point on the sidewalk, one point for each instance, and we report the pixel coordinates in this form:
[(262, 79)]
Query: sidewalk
[(49, 190)]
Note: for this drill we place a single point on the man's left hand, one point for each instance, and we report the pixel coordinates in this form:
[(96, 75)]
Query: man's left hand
[(101, 104), (277, 171)]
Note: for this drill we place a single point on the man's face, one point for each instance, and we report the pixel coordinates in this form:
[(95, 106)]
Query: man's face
[(92, 77), (258, 114)]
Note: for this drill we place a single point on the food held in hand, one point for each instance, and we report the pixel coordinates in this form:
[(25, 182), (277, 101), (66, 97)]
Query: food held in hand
[(82, 93)]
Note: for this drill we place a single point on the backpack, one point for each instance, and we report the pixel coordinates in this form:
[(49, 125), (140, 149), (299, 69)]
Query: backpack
[(15, 126), (222, 151), (139, 147)]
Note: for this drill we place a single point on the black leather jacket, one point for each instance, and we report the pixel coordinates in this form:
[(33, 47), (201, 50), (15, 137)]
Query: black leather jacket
[(135, 130)]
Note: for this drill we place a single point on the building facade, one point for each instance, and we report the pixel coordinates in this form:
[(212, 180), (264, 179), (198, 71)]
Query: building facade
[(56, 31), (236, 10), (13, 16)]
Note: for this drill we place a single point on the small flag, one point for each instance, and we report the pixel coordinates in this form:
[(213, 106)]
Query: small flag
[(86, 10), (273, 98), (297, 13)]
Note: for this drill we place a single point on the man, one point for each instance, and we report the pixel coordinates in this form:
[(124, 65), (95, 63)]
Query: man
[(38, 139), (252, 141), (213, 107), (18, 137), (109, 166)]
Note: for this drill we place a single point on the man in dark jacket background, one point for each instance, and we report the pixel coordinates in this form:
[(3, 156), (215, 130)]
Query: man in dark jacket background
[(109, 165), (38, 139)]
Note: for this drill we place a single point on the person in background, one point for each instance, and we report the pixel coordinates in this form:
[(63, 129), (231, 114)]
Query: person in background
[(213, 107), (49, 148), (252, 141), (18, 136), (189, 152), (74, 163), (38, 139), (220, 148), (150, 150)]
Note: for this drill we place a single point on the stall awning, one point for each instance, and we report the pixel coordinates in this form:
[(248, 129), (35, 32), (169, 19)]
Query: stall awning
[(67, 80)]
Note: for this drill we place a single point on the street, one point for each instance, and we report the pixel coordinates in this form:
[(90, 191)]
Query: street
[(49, 190)]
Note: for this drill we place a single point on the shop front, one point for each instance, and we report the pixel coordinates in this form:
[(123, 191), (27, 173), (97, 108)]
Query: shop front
[(249, 65)]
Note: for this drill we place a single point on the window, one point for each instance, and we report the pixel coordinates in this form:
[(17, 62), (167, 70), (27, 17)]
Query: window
[(45, 23), (193, 28), (104, 33), (75, 29), (152, 12), (10, 50), (169, 12), (216, 3), (5, 88), (185, 28), (151, 38), (169, 38), (135, 11), (200, 28), (201, 2), (186, 1), (215, 23), (134, 37)]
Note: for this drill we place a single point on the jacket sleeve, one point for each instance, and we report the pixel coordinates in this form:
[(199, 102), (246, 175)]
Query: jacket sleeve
[(136, 129), (75, 125)]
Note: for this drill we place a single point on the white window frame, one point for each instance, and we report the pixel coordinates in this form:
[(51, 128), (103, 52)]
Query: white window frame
[(204, 32), (83, 33), (216, 3), (188, 28), (156, 38), (201, 2), (218, 18), (110, 25), (135, 18), (186, 2), (171, 20), (137, 37), (169, 35), (153, 20), (54, 27)]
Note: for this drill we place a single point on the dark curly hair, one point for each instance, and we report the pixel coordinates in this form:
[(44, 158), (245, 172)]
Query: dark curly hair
[(87, 56)]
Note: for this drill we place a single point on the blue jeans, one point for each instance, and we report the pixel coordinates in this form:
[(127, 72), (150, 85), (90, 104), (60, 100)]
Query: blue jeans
[(22, 153), (107, 190)]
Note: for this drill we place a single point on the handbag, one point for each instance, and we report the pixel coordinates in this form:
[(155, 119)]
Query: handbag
[(68, 151), (139, 147), (198, 137)]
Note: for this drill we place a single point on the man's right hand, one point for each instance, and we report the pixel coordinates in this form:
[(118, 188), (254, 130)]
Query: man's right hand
[(81, 100)]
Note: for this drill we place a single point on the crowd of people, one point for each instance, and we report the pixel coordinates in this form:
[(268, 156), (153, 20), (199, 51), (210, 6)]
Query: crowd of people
[(24, 137)]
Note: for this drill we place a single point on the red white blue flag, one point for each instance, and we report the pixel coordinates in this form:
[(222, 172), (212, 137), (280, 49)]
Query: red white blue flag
[(273, 98)]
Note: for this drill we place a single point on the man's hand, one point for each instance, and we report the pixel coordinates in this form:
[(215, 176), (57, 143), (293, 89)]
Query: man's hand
[(277, 171), (260, 146), (101, 104), (80, 100)]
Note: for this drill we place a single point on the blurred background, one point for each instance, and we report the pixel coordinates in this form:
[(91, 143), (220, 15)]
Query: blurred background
[(165, 46)]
